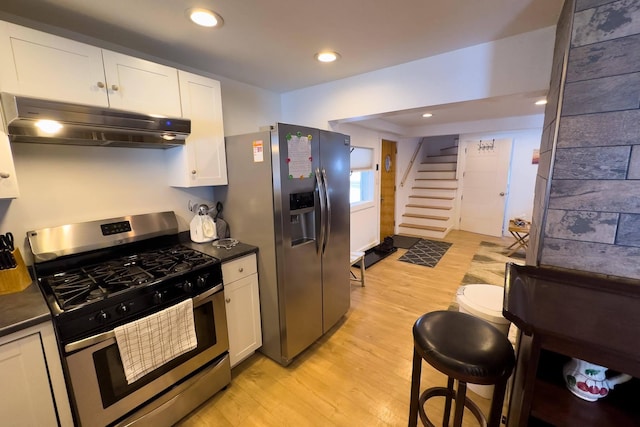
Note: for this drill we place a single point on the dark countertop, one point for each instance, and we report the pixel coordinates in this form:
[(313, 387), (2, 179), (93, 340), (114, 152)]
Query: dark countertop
[(22, 309), (224, 255)]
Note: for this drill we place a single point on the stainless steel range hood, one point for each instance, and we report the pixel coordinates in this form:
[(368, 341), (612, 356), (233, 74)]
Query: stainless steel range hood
[(88, 125)]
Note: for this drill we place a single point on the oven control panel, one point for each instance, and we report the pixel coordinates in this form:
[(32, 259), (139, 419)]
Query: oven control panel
[(115, 228)]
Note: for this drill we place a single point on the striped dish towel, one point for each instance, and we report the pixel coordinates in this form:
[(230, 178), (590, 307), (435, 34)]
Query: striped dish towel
[(152, 341)]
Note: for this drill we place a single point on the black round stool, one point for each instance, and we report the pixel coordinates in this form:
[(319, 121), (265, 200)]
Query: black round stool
[(467, 349)]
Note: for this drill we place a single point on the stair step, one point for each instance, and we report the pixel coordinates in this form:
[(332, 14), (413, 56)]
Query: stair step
[(418, 216), (432, 197), (432, 167), (436, 175), (449, 147), (437, 179), (442, 208), (447, 158), (424, 227), (433, 188)]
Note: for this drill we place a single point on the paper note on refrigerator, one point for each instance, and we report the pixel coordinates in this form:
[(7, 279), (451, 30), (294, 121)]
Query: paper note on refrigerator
[(258, 151), (299, 160)]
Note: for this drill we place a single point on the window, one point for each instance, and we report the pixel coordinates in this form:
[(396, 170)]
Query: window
[(361, 186), (362, 178)]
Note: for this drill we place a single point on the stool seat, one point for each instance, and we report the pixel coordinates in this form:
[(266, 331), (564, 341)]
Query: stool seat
[(464, 347)]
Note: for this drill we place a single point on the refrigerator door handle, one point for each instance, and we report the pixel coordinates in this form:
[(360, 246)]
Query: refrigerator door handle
[(325, 181), (321, 196)]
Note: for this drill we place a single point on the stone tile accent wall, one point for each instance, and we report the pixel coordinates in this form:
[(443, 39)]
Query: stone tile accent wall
[(587, 203)]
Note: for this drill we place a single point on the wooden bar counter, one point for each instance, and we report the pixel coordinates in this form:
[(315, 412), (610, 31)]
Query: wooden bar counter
[(562, 315)]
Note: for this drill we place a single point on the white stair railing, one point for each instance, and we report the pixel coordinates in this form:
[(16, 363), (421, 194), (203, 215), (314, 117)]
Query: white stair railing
[(413, 158)]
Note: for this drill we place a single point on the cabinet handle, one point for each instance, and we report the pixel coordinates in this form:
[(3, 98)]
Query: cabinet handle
[(241, 269), (100, 85), (4, 175), (228, 300), (193, 172), (114, 88)]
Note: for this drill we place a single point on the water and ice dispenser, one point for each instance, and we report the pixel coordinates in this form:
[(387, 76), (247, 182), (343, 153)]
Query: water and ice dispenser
[(302, 218)]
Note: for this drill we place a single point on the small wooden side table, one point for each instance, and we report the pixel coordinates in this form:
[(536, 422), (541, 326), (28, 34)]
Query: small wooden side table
[(521, 234)]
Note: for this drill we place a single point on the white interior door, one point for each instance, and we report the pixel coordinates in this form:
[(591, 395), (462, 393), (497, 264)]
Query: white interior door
[(484, 185)]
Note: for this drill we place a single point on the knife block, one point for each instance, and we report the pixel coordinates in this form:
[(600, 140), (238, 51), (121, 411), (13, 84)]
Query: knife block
[(16, 279)]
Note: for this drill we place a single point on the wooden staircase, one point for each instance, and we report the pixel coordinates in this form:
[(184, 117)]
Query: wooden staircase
[(430, 210)]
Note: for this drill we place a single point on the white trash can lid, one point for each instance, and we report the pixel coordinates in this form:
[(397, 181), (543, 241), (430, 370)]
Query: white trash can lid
[(484, 301)]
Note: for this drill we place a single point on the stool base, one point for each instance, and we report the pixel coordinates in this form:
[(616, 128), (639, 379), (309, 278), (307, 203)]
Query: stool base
[(450, 394)]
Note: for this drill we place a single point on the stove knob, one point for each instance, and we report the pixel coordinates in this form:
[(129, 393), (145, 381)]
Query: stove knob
[(122, 309), (187, 286), (103, 316), (157, 298), (201, 282)]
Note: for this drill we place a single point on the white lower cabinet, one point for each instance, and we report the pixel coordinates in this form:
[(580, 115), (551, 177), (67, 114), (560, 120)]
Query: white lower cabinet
[(243, 307), (33, 391)]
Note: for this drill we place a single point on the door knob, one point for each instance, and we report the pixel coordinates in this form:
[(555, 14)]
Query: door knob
[(502, 193), (114, 87), (4, 175), (100, 85)]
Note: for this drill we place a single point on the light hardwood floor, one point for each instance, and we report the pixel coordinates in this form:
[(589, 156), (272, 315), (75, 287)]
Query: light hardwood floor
[(359, 374)]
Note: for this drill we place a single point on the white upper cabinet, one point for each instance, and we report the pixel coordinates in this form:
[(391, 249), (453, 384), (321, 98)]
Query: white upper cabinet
[(42, 65), (8, 180), (138, 85), (52, 67), (202, 160)]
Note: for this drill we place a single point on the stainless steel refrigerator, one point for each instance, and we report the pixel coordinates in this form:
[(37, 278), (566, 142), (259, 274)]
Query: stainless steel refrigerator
[(288, 194)]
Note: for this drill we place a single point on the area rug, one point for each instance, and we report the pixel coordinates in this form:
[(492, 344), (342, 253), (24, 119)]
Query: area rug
[(425, 252), (404, 242), (488, 264)]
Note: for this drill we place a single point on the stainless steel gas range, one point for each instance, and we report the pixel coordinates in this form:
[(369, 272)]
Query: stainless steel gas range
[(101, 276)]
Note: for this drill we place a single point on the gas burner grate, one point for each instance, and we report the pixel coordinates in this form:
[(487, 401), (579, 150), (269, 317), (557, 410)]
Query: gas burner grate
[(87, 284)]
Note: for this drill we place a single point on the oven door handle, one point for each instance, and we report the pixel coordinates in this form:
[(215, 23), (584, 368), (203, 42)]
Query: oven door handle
[(96, 339)]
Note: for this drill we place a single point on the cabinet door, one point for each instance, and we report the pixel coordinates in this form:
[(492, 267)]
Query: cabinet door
[(42, 65), (25, 395), (137, 85), (8, 180), (202, 161), (243, 318)]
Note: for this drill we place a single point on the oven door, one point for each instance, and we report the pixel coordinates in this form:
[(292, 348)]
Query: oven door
[(99, 388)]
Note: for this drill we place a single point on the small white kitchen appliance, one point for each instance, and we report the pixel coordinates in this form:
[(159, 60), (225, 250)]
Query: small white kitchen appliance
[(202, 226)]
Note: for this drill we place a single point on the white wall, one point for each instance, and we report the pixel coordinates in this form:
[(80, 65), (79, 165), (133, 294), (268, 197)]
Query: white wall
[(365, 218), (522, 173), (516, 64), (247, 108), (512, 65)]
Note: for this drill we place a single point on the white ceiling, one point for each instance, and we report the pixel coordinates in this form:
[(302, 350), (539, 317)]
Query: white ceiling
[(271, 43)]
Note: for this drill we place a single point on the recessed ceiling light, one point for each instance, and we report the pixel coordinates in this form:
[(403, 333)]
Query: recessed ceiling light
[(205, 18), (327, 56), (541, 102), (427, 115)]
